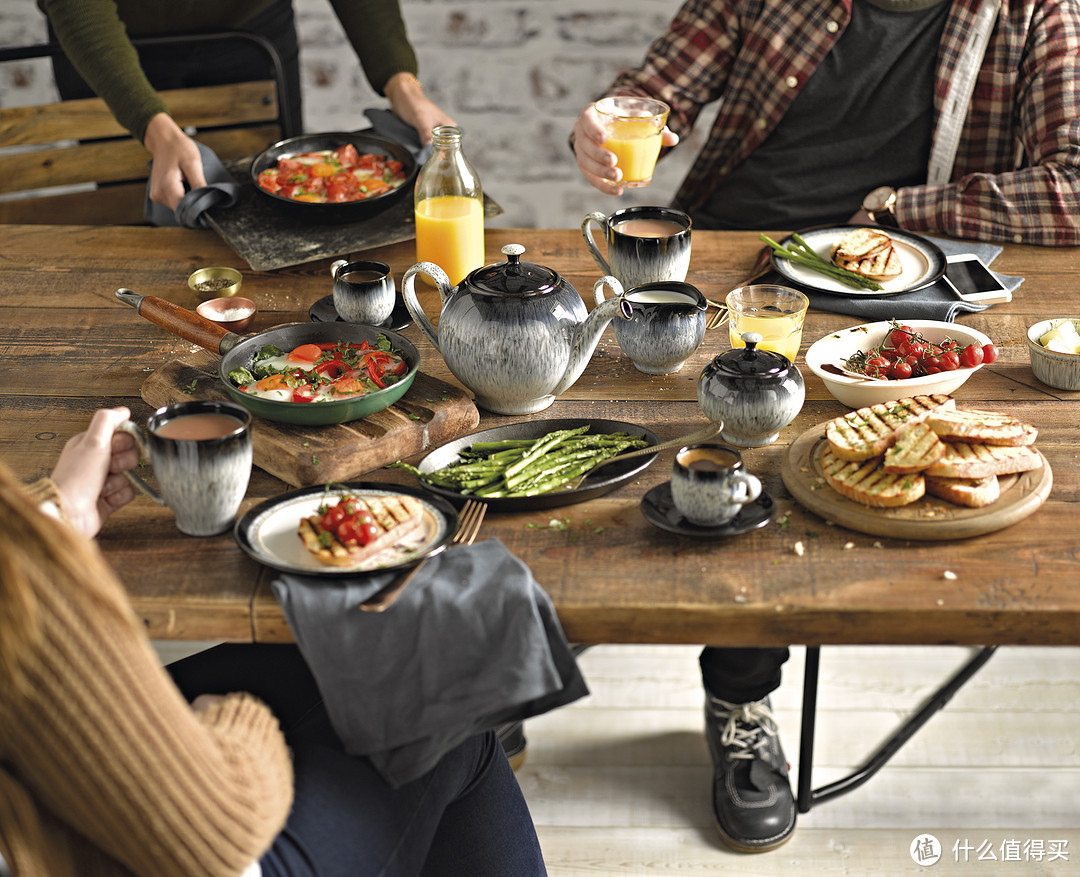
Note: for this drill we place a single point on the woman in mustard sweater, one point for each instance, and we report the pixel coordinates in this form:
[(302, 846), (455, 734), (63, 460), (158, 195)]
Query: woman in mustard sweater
[(95, 36), (106, 769)]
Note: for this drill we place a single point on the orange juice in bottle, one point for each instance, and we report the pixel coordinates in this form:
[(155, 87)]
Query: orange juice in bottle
[(449, 208)]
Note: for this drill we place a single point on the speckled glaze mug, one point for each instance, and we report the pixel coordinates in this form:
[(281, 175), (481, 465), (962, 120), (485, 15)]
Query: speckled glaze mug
[(201, 455), (666, 325), (363, 291), (644, 244), (709, 484)]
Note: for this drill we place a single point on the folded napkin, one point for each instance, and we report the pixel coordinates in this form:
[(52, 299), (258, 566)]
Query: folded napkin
[(221, 190), (388, 124), (934, 302), (471, 643)]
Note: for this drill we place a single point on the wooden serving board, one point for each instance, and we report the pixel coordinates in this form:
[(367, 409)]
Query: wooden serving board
[(926, 519), (430, 413)]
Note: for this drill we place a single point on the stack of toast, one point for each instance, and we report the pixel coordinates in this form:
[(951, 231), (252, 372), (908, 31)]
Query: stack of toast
[(890, 455), (869, 252)]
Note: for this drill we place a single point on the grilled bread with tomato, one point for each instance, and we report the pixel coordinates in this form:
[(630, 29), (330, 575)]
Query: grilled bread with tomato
[(867, 482), (915, 448), (358, 528), (869, 432)]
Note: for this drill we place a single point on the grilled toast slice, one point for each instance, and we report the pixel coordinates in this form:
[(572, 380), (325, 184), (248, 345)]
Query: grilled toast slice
[(963, 460), (860, 243), (972, 492), (981, 427), (867, 482), (915, 448), (869, 432), (880, 266), (397, 516)]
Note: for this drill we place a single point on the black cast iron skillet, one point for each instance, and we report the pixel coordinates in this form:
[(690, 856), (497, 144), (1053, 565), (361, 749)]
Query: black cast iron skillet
[(345, 211), (238, 351)]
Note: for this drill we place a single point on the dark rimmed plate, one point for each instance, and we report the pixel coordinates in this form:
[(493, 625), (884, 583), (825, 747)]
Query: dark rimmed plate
[(268, 534), (923, 261), (604, 481), (659, 510), (323, 311)]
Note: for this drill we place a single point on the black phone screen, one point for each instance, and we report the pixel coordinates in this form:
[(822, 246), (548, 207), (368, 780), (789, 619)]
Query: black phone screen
[(970, 276)]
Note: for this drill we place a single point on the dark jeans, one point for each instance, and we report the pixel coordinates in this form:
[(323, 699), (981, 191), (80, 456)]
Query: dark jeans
[(466, 818), (192, 65), (741, 675)]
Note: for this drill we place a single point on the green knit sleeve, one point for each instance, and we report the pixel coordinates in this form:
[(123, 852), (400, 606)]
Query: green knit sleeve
[(376, 30), (96, 43)]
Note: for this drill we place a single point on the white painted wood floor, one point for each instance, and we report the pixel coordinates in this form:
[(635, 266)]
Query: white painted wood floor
[(619, 783)]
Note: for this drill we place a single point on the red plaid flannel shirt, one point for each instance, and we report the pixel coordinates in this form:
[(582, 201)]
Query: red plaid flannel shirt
[(1017, 170)]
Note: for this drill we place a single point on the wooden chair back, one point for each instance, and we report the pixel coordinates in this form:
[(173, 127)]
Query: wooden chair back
[(71, 163)]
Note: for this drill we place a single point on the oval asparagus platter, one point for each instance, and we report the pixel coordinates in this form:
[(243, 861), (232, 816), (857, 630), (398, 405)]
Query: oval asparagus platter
[(520, 467)]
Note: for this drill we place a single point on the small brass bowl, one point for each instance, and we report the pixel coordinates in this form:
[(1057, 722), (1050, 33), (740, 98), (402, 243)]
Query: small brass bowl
[(231, 312), (218, 282)]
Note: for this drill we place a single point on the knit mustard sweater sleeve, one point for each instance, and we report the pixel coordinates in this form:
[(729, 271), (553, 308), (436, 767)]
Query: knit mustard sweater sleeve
[(98, 746)]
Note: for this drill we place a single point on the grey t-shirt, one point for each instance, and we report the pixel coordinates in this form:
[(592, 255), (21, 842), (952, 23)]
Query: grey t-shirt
[(864, 119)]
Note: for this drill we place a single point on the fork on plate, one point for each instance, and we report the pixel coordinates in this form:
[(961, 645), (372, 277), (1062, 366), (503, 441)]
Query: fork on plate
[(469, 521)]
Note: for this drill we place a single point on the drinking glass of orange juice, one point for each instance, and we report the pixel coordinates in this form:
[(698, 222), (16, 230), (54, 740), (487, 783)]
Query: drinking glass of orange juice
[(776, 313), (633, 126)]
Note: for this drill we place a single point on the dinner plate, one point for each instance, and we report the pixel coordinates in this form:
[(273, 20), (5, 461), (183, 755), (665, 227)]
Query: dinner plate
[(604, 481), (659, 510), (268, 534), (929, 518), (323, 311), (922, 260)]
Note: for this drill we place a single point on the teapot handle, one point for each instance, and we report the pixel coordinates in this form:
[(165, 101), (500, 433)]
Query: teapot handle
[(408, 292), (601, 220)]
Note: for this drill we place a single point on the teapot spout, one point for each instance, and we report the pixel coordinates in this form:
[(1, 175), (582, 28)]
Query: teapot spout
[(586, 335)]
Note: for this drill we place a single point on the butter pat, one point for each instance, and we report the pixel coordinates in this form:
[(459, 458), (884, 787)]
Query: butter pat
[(1062, 338)]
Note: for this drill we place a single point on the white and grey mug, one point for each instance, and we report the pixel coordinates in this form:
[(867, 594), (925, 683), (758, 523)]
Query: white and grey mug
[(200, 453), (644, 244), (363, 291), (709, 485)]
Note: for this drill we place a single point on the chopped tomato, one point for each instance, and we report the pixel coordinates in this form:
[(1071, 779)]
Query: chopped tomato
[(346, 155), (349, 387), (305, 353)]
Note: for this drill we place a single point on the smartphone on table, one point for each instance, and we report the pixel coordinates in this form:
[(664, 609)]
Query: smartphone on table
[(973, 281)]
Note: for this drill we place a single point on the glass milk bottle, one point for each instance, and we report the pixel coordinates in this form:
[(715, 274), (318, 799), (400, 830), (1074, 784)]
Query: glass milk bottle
[(449, 206)]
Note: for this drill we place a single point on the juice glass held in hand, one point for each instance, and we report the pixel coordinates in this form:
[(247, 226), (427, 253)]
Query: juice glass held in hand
[(449, 208), (633, 126), (776, 313)]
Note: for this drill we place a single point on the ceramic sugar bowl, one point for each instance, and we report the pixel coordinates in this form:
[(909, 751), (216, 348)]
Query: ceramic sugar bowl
[(755, 393)]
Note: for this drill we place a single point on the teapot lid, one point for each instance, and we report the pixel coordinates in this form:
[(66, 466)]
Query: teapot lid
[(749, 361), (513, 277)]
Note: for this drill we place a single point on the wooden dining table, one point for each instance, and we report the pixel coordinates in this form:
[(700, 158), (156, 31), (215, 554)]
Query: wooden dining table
[(68, 347)]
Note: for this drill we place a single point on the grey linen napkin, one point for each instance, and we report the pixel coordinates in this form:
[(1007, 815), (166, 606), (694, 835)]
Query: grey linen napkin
[(471, 643), (934, 302), (389, 124), (221, 190)]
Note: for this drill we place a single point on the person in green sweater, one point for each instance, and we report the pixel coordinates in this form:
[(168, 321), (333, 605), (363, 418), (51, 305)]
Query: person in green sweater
[(100, 59)]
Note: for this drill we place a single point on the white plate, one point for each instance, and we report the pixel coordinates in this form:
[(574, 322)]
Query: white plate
[(923, 262), (268, 532)]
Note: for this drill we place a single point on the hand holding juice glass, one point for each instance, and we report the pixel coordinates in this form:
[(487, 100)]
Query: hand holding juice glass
[(776, 313), (633, 126)]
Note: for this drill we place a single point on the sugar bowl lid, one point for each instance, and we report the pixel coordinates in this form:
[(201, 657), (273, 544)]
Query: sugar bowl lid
[(514, 277), (749, 361)]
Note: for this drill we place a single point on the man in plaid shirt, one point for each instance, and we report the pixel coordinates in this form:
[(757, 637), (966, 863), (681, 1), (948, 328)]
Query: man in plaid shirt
[(835, 117), (855, 110)]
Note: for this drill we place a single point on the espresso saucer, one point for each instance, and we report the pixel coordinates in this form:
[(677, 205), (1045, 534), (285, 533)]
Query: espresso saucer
[(659, 510), (323, 311)]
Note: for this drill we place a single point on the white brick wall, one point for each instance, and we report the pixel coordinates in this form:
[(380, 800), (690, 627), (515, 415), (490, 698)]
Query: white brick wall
[(514, 73)]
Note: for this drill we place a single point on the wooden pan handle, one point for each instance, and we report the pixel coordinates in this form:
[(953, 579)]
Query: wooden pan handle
[(180, 321)]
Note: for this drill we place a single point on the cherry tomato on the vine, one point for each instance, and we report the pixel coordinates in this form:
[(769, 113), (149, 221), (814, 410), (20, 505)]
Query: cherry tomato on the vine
[(990, 353), (972, 356)]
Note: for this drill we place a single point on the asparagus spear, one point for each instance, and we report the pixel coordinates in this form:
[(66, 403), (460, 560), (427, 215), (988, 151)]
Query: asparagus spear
[(802, 253)]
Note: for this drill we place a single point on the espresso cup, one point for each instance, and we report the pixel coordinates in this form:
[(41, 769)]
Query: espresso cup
[(363, 291), (666, 325), (644, 244), (200, 453), (709, 485)]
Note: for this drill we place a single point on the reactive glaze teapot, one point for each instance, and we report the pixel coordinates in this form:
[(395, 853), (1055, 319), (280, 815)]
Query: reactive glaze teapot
[(515, 333)]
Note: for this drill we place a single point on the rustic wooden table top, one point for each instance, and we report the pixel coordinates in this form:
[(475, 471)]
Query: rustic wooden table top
[(68, 347)]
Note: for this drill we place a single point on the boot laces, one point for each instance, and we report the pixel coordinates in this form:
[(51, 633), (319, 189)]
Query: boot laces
[(747, 728)]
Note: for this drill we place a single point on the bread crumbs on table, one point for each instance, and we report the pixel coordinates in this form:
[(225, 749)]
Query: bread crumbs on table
[(848, 546)]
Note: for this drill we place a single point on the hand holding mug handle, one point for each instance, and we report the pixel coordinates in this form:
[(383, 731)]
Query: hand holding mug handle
[(135, 431)]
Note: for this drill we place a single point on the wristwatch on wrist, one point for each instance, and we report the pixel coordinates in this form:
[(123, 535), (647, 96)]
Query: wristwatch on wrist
[(880, 206)]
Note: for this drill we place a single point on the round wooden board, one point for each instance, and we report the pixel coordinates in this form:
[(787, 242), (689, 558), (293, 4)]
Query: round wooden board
[(929, 518)]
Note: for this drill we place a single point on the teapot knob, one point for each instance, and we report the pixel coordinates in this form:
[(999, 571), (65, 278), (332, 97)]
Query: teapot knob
[(752, 339), (513, 251)]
